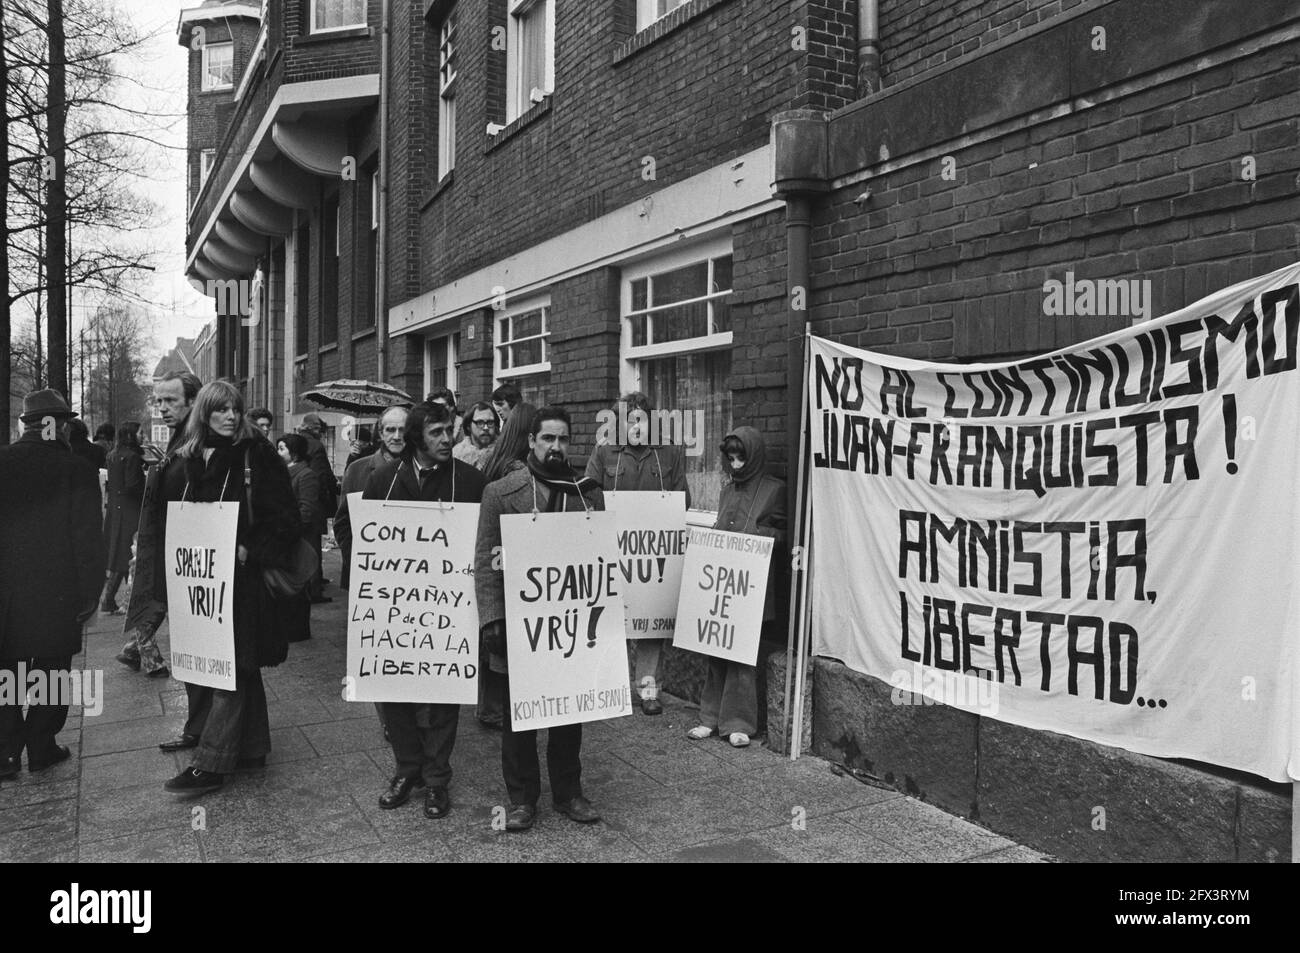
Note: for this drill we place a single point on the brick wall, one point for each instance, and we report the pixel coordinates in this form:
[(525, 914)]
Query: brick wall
[(1146, 186), (916, 35), (208, 112), (691, 98)]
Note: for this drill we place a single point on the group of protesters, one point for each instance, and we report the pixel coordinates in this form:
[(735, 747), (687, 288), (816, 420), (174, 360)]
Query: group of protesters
[(504, 453)]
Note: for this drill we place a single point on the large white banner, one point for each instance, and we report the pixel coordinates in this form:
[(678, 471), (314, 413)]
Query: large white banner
[(564, 619), (412, 618), (199, 552), (652, 550), (1102, 541), (724, 584)]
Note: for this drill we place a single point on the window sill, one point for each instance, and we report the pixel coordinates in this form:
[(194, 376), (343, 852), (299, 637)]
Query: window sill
[(326, 348), (662, 27), (363, 334), (349, 33), (442, 186), (535, 112), (217, 90)]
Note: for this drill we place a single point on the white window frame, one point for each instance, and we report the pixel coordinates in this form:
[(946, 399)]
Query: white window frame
[(205, 74), (314, 30), (207, 159), (453, 361), (502, 374), (374, 200), (715, 341), (518, 100), (447, 76), (649, 12)]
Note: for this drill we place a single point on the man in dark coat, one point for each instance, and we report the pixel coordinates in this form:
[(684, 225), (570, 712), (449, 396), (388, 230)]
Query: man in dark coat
[(312, 427), (79, 441), (51, 571), (549, 484), (173, 397), (392, 441), (125, 491), (423, 735)]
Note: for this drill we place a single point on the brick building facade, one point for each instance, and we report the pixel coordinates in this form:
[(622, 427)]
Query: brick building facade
[(589, 198)]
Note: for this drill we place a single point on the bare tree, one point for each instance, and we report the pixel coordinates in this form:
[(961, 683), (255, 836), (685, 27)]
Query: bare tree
[(96, 188), (117, 340)]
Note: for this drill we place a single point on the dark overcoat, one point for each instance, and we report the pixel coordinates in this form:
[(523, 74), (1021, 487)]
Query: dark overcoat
[(125, 491), (262, 622), (51, 547)]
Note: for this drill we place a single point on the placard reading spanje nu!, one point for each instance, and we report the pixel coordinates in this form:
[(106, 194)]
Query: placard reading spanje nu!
[(564, 619), (412, 617), (199, 558), (652, 550)]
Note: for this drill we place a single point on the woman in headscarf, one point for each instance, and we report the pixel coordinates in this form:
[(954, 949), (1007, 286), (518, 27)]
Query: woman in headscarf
[(752, 502), (219, 443), (125, 491)]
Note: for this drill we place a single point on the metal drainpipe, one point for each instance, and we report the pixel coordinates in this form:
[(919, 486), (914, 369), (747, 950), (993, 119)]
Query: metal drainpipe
[(868, 47), (381, 253)]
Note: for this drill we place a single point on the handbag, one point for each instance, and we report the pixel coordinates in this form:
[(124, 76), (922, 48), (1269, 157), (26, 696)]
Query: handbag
[(283, 583)]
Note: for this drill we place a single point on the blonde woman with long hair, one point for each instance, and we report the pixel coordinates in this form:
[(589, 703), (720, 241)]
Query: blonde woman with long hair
[(230, 730)]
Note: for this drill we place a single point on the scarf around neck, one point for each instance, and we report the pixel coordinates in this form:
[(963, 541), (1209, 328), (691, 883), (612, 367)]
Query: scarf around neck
[(567, 484)]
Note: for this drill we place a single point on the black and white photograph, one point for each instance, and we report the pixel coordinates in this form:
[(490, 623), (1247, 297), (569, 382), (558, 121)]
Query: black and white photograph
[(652, 431)]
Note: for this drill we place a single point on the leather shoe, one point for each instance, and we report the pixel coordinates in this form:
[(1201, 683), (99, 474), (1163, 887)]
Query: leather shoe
[(60, 754), (194, 781), (9, 767), (651, 706), (183, 743), (437, 803), (130, 661), (521, 817), (163, 672), (579, 809), (319, 599), (251, 764), (398, 793)]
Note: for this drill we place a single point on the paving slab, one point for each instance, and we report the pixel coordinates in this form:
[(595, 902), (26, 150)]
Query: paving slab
[(663, 798)]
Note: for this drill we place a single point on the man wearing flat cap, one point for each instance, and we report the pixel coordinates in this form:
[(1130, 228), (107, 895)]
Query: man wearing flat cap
[(51, 570)]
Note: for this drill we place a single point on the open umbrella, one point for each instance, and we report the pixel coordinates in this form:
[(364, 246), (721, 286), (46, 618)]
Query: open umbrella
[(356, 397)]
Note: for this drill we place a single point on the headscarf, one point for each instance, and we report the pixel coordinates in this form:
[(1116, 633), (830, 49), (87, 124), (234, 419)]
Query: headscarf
[(755, 455)]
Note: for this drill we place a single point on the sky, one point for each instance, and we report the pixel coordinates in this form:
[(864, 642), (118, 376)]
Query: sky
[(160, 71)]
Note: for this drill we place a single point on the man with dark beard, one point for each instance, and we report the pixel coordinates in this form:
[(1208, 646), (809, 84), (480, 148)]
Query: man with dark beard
[(548, 484)]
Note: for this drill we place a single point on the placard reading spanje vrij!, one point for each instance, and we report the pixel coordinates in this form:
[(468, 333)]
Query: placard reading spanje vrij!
[(652, 550), (412, 618), (564, 619), (724, 584), (199, 559), (1107, 536)]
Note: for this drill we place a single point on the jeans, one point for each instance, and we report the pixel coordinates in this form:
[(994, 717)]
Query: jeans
[(523, 773), (237, 725), (422, 736), (36, 732), (729, 701)]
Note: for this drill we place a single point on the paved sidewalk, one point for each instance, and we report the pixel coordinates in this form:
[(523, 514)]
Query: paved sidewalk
[(663, 798)]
